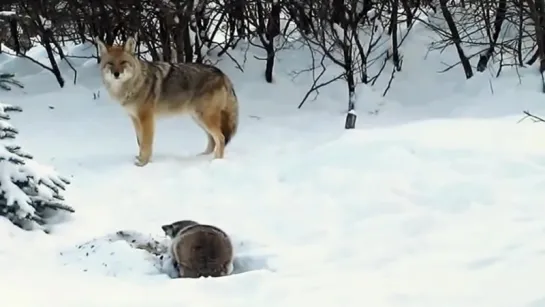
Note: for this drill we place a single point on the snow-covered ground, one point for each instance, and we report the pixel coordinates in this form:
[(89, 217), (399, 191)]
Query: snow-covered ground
[(435, 200)]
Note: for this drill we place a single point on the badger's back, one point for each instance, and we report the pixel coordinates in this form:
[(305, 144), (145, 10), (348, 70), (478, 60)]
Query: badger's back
[(204, 250)]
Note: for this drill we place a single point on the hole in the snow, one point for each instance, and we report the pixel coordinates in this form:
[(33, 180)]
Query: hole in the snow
[(242, 263)]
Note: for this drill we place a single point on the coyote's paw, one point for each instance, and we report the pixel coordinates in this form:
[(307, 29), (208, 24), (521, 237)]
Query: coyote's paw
[(138, 161)]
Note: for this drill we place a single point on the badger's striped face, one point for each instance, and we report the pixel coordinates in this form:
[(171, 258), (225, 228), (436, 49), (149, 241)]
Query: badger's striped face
[(171, 230)]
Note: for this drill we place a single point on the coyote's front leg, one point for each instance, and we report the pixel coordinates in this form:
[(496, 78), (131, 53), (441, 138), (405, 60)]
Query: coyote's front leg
[(137, 129), (147, 124)]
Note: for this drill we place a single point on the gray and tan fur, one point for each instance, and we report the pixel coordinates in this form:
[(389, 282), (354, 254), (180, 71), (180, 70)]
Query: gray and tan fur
[(200, 250), (147, 90)]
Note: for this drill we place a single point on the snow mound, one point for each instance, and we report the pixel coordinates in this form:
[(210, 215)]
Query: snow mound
[(127, 253), (121, 254)]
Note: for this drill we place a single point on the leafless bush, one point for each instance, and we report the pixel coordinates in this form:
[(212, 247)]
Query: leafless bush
[(362, 37), (505, 32)]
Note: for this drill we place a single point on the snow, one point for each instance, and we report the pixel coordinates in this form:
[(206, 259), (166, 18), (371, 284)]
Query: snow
[(435, 199), (45, 22), (7, 13)]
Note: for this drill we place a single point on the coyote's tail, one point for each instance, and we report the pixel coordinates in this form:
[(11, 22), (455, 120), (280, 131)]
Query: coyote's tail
[(229, 115)]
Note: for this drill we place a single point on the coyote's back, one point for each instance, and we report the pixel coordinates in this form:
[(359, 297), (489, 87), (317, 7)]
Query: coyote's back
[(203, 90), (150, 89)]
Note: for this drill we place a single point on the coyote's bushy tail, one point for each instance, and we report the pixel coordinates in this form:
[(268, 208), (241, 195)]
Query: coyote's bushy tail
[(229, 115)]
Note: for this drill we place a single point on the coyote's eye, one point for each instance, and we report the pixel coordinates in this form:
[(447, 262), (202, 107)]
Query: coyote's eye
[(109, 64), (124, 62)]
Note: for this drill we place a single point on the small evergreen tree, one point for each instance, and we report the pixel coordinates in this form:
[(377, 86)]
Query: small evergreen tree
[(30, 193)]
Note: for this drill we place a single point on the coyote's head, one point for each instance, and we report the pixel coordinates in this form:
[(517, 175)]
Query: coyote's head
[(118, 62)]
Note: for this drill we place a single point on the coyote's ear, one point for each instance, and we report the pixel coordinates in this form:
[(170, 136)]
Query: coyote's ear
[(101, 47), (130, 45)]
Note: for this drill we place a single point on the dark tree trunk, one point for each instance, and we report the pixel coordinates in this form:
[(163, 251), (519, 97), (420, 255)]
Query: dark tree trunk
[(498, 22), (456, 38)]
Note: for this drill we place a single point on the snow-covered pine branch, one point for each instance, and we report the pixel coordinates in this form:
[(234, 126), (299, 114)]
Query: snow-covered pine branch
[(6, 80), (7, 13), (30, 192)]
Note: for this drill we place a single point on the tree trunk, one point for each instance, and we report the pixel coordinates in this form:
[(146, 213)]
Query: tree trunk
[(456, 38)]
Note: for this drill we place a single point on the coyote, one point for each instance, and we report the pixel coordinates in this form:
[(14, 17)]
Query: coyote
[(199, 250), (147, 90)]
